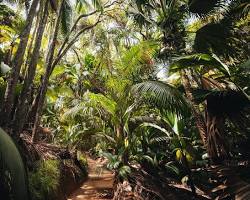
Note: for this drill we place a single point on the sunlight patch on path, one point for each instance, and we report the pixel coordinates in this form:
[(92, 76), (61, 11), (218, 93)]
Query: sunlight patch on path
[(98, 186)]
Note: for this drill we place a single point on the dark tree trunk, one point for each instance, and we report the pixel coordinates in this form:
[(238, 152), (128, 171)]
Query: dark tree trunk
[(16, 66), (216, 141), (22, 108), (33, 109), (199, 119)]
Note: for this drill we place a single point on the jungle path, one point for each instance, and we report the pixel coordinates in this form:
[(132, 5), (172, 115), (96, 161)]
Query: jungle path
[(98, 185)]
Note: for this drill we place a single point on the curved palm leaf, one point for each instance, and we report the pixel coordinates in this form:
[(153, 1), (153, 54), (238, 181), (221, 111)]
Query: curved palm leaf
[(12, 172), (216, 37), (199, 60), (156, 127), (159, 139), (203, 7), (162, 94), (238, 9)]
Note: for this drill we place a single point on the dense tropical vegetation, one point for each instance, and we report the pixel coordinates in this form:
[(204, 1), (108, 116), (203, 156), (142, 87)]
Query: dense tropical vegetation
[(159, 88)]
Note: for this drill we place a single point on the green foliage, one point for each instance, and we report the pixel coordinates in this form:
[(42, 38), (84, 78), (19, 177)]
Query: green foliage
[(44, 180), (82, 159), (70, 134), (214, 37), (199, 61), (89, 61), (124, 171), (100, 100), (164, 95), (11, 19), (115, 163), (138, 58)]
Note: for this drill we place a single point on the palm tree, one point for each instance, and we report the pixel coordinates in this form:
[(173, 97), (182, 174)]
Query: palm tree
[(214, 37), (212, 121)]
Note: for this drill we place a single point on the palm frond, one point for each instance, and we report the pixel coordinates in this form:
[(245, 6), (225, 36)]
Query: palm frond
[(203, 7), (231, 184), (137, 58), (159, 139), (215, 37), (238, 9), (165, 96), (163, 130), (198, 61)]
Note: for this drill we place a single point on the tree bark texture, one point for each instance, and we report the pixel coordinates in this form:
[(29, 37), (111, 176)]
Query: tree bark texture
[(199, 119)]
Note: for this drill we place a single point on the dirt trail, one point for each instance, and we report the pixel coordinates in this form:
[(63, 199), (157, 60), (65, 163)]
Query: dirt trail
[(98, 186)]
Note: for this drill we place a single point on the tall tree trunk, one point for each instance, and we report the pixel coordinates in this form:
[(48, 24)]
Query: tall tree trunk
[(16, 66), (216, 141), (31, 45), (45, 80), (22, 108), (199, 119)]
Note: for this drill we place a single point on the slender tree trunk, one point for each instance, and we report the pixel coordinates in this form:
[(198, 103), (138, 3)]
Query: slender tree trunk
[(45, 81), (22, 108), (16, 66), (33, 109), (31, 44), (199, 120)]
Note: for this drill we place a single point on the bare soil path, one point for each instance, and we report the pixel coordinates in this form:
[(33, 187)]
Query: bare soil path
[(98, 185)]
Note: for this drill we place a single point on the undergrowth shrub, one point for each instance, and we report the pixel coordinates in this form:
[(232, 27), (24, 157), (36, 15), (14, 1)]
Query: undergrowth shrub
[(82, 160), (44, 180)]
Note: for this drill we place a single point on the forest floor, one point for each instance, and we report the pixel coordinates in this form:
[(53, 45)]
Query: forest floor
[(99, 184)]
